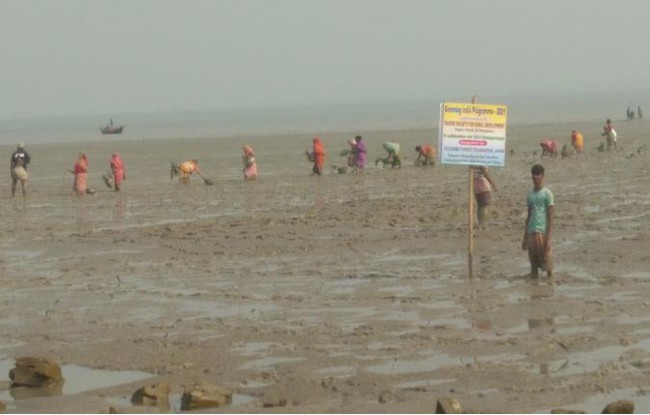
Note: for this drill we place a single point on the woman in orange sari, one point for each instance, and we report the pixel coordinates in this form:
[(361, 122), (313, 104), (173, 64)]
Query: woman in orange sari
[(318, 152), (426, 155), (80, 171), (250, 165), (186, 169)]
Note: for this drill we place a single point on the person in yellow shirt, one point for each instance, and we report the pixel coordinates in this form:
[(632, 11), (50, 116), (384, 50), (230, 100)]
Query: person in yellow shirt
[(577, 141), (186, 169)]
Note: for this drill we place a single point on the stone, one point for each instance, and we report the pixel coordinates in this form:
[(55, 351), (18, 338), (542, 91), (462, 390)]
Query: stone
[(152, 395), (619, 407), (3, 407), (35, 372), (448, 406), (205, 396)]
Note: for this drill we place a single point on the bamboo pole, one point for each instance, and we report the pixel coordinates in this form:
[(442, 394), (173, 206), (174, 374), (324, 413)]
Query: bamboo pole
[(470, 216)]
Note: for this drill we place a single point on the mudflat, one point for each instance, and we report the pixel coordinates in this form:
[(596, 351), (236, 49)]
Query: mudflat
[(337, 293)]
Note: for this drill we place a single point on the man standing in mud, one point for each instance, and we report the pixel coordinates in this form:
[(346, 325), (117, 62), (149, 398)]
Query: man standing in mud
[(539, 225)]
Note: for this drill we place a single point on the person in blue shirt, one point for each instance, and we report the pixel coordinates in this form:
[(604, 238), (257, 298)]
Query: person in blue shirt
[(539, 224)]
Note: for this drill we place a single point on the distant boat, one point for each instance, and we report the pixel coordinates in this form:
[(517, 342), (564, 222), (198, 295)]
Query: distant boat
[(109, 129)]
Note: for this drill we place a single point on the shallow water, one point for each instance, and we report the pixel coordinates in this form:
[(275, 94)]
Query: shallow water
[(77, 379)]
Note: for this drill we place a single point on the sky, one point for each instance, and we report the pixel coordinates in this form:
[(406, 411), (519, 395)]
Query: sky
[(74, 57)]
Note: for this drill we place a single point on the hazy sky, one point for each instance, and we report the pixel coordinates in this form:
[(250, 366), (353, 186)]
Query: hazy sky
[(70, 57)]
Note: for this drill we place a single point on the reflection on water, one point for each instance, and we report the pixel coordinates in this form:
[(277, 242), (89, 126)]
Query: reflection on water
[(119, 211)]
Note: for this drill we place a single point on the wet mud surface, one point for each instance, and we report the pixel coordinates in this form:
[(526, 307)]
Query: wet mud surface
[(339, 293)]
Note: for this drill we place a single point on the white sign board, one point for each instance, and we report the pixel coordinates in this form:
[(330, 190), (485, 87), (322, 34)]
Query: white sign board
[(472, 134)]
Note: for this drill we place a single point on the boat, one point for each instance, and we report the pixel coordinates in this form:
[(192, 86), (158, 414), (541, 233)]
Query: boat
[(110, 129)]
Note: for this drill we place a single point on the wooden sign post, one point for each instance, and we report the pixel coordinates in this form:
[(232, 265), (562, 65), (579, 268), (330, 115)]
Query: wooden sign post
[(472, 135), (470, 218)]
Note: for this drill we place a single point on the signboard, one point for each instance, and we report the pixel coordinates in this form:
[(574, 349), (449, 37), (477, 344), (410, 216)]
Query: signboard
[(472, 134)]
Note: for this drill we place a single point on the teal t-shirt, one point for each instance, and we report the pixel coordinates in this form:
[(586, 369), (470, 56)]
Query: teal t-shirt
[(538, 202)]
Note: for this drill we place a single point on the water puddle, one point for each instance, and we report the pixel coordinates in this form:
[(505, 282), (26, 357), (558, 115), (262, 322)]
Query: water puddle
[(253, 348), (418, 384), (337, 371), (175, 400), (21, 254), (637, 274), (591, 361), (77, 379), (269, 362), (574, 330), (401, 366), (80, 379), (632, 320)]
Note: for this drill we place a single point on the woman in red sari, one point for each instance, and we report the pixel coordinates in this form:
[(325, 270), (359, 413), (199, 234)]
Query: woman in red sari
[(117, 168), (80, 175)]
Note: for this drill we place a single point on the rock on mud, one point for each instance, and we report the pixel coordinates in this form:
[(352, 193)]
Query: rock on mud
[(448, 406), (36, 373), (152, 395), (205, 396), (619, 407)]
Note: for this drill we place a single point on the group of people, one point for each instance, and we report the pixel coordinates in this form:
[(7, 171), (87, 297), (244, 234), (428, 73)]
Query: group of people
[(539, 220), (357, 155), (551, 148), (80, 171), (20, 159), (186, 169)]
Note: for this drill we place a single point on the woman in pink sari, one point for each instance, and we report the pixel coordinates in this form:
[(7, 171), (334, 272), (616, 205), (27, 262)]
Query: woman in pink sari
[(250, 165), (117, 169), (80, 175)]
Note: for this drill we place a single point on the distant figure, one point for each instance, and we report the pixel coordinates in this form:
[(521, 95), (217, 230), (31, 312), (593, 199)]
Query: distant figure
[(186, 169), (250, 164), (117, 170), (80, 184), (18, 169), (359, 151), (393, 159), (629, 113), (610, 135), (317, 155), (638, 112), (483, 187), (577, 141), (539, 224), (549, 148), (111, 122), (565, 152), (426, 155)]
